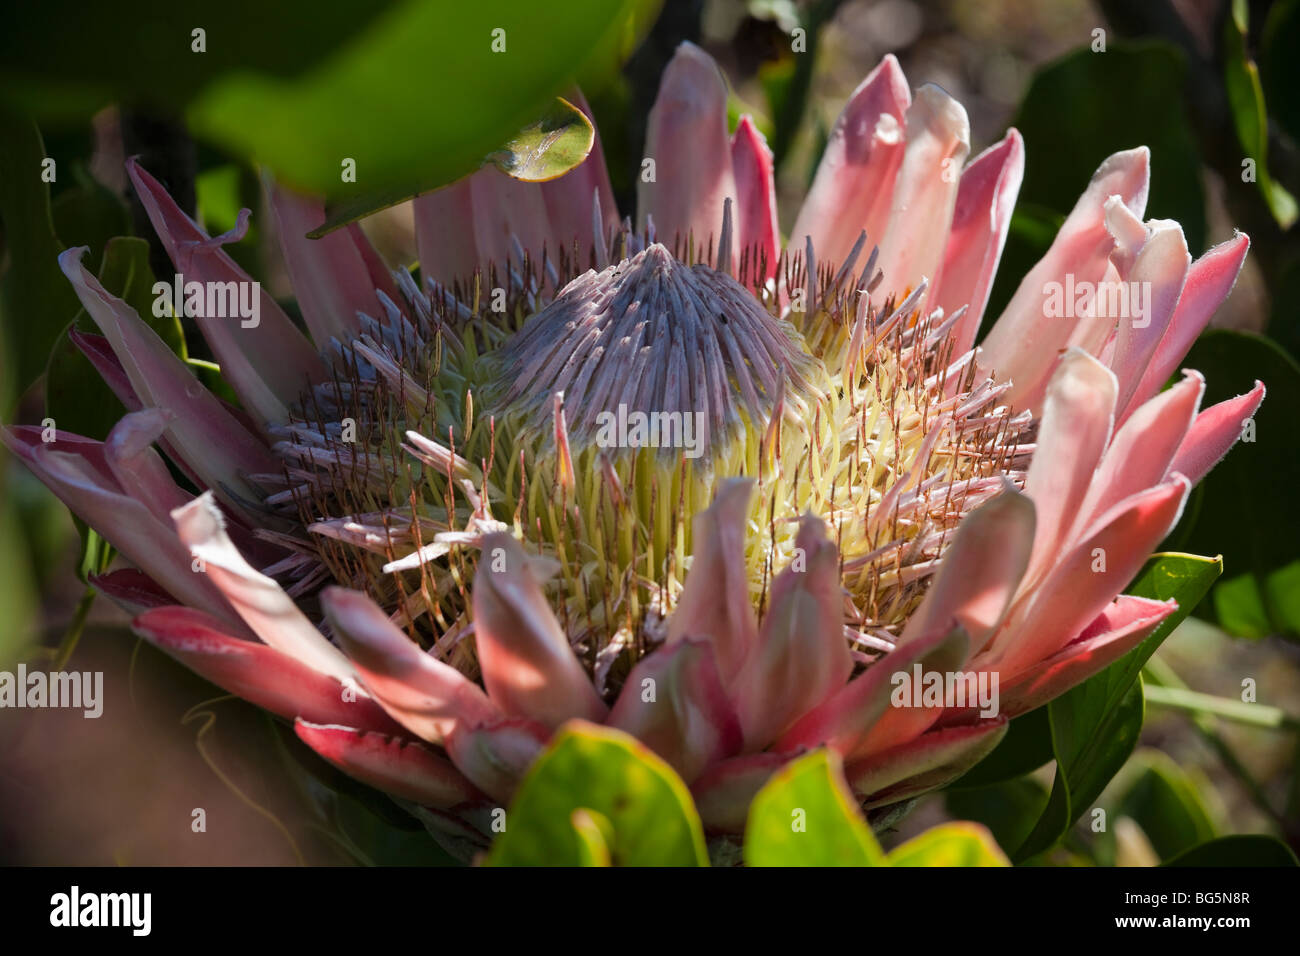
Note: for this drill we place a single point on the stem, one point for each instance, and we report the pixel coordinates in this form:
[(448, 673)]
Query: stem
[(1255, 715), (59, 656)]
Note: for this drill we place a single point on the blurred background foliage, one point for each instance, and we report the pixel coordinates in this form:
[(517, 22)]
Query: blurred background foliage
[(1209, 85)]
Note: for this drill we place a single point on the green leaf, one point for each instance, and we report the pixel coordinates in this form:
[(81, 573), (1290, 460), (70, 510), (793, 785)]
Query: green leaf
[(218, 196), (806, 816), (69, 58), (595, 833), (548, 147), (1249, 849), (1086, 757), (1249, 495), (421, 95), (1229, 708), (1026, 747), (1147, 78), (1009, 809), (1165, 802), (1249, 114), (36, 300), (1240, 609), (951, 844), (545, 149), (1096, 724), (651, 819), (1282, 594)]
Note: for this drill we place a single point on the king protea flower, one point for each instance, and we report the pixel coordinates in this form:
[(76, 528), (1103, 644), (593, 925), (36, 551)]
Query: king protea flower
[(666, 476)]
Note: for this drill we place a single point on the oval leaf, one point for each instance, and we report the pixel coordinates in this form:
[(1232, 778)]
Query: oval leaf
[(545, 149), (806, 816), (633, 802), (1009, 809), (420, 95), (595, 833), (952, 844), (1026, 747), (548, 148)]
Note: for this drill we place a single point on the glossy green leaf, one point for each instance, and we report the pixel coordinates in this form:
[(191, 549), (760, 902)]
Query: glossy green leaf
[(1249, 849), (1009, 809), (1026, 747), (951, 844), (651, 818), (1184, 578), (806, 816), (1096, 724), (144, 53), (546, 148), (421, 96), (1092, 740), (1249, 114)]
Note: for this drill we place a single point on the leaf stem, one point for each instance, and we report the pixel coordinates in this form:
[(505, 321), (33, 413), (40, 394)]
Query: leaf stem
[(1255, 715)]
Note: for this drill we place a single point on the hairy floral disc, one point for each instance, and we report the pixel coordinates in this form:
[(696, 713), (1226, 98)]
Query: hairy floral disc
[(595, 422), (669, 347)]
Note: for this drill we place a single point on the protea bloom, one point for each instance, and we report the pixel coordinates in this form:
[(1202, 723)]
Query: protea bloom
[(668, 477)]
